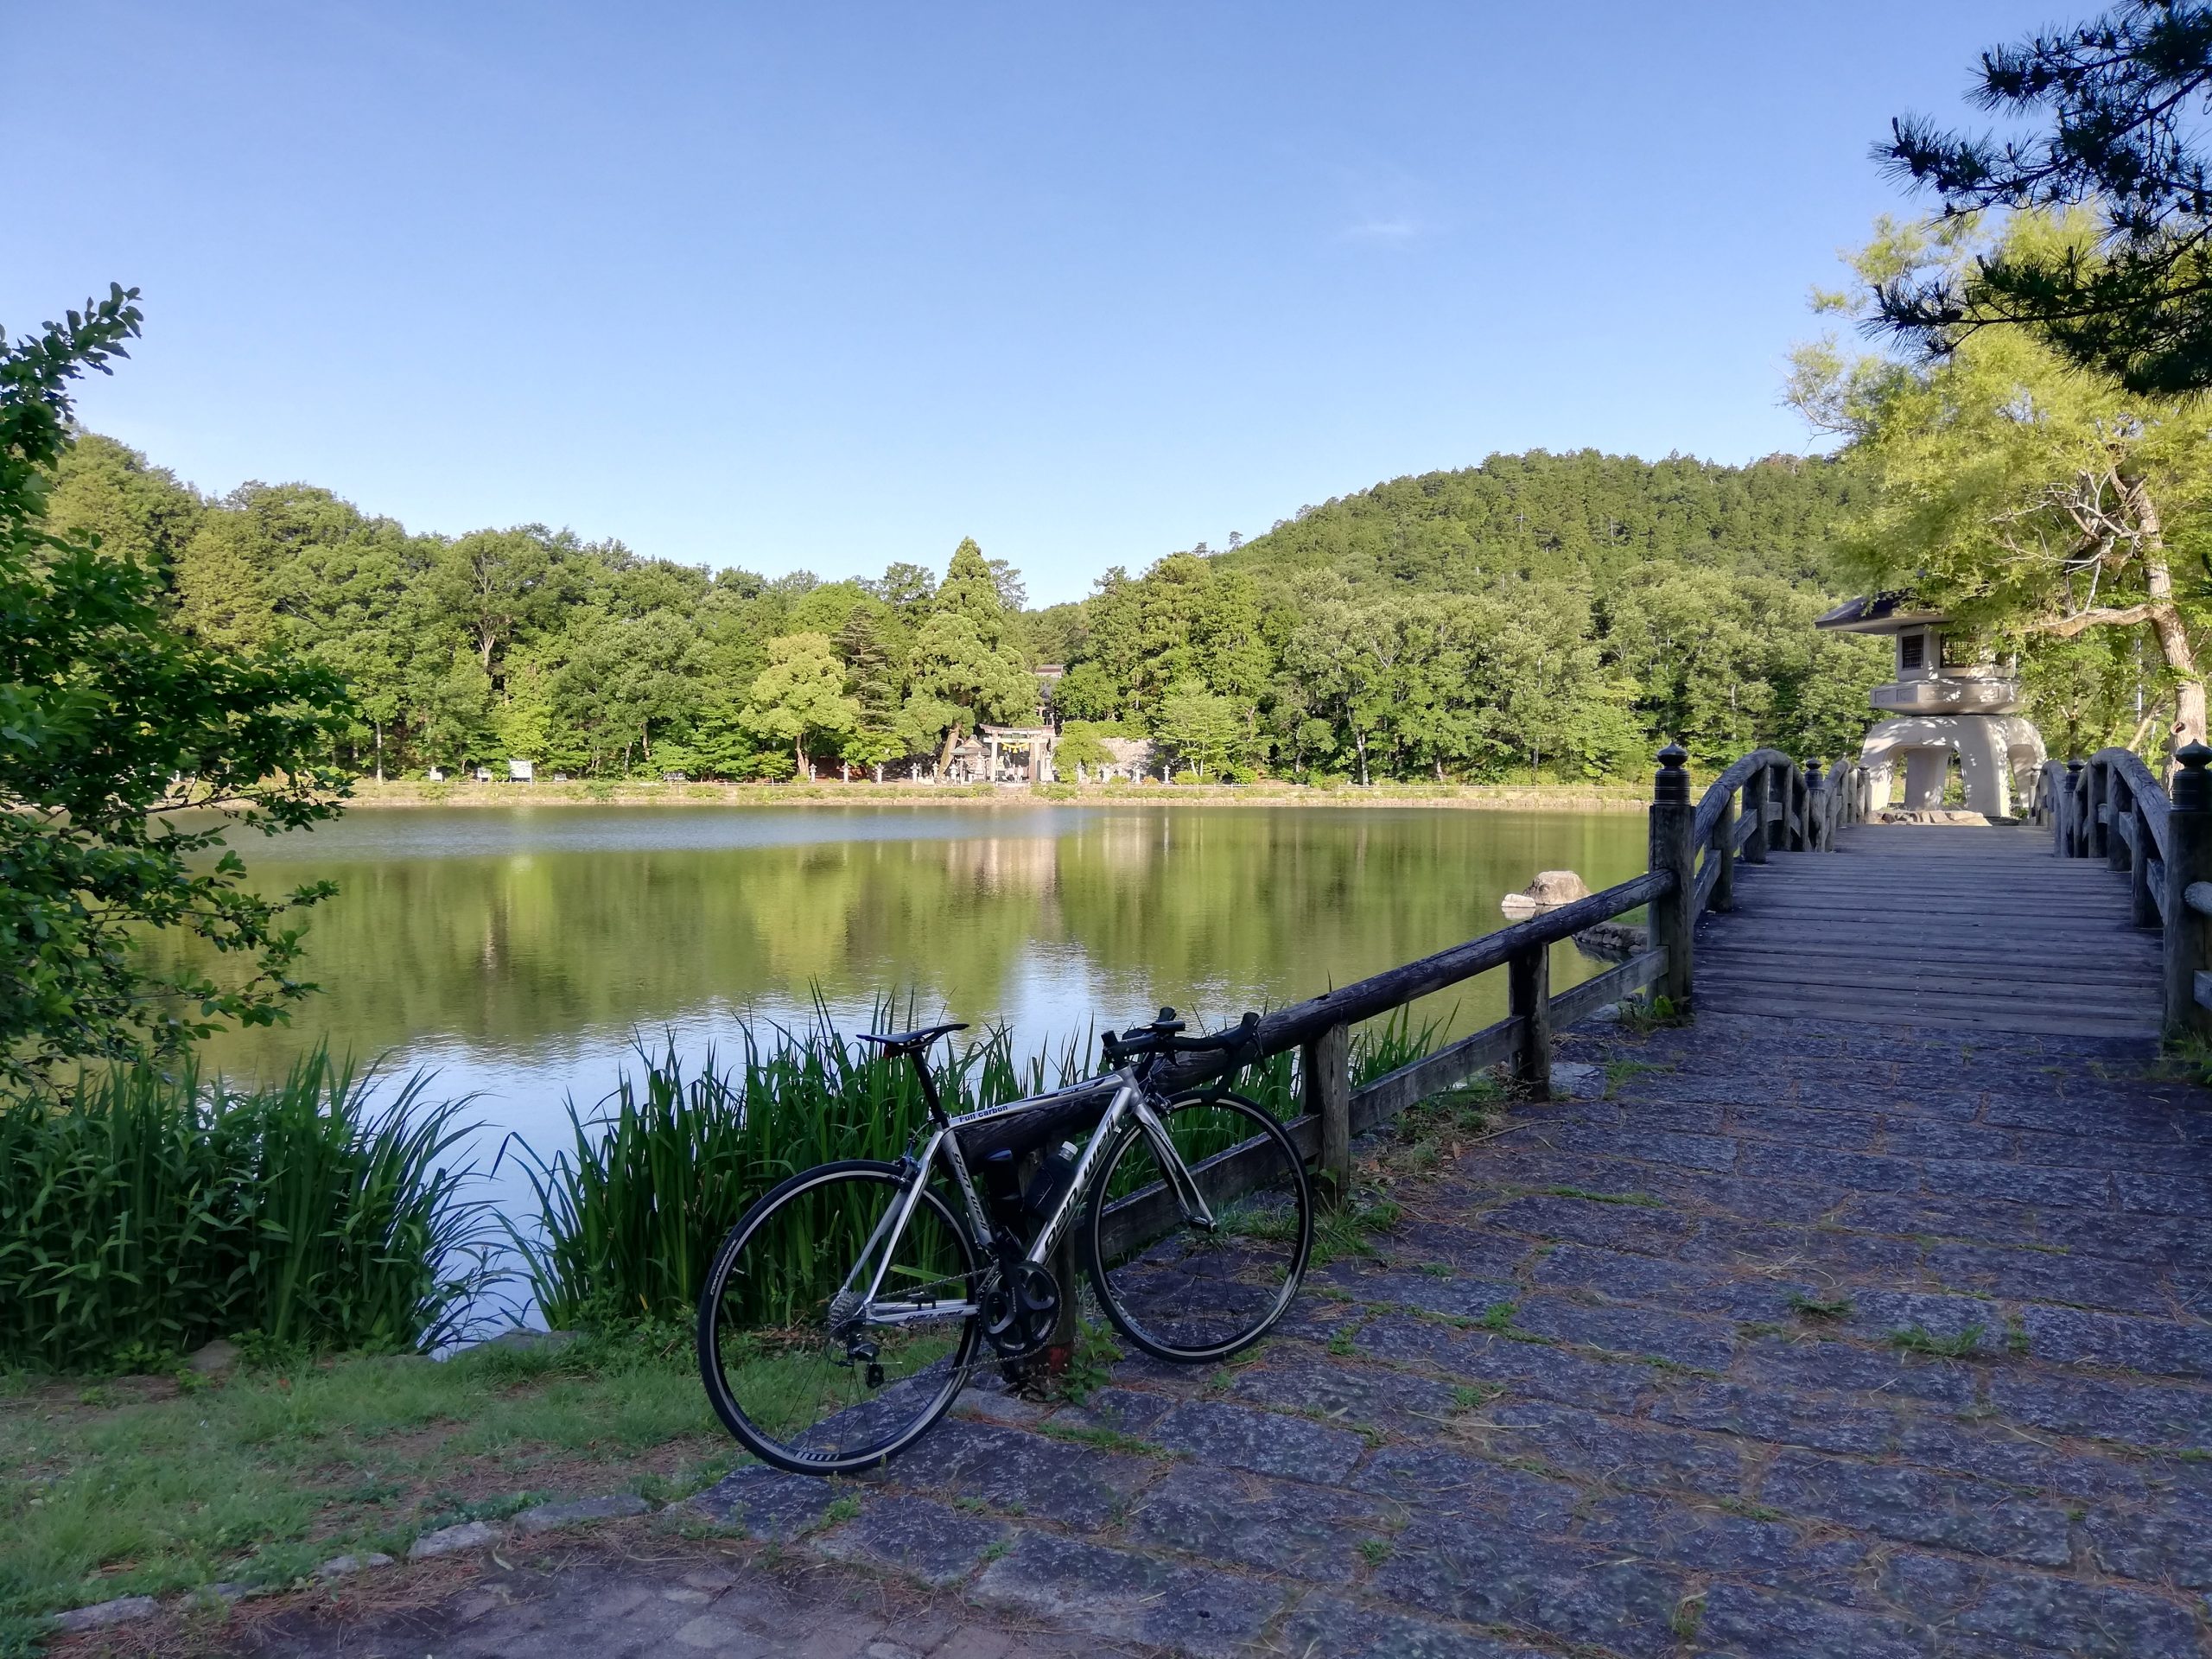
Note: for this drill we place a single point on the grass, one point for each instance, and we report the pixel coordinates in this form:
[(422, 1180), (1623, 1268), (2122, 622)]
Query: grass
[(1915, 1339), (150, 1212), (1638, 1200), (262, 1475)]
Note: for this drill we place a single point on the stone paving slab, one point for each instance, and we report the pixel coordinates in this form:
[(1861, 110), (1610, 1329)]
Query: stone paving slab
[(1806, 1339)]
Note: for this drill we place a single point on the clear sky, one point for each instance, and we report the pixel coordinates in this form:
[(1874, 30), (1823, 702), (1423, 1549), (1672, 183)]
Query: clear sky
[(825, 285)]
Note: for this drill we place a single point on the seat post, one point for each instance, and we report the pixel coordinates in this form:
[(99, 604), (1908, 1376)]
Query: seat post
[(921, 1060)]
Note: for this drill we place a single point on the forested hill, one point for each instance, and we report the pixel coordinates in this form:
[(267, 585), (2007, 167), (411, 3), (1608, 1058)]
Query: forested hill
[(1553, 615), (1579, 515)]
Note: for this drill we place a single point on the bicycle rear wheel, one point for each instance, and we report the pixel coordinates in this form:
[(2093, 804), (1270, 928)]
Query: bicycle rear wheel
[(1186, 1291), (792, 1372)]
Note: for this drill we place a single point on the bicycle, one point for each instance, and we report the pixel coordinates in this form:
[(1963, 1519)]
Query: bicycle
[(843, 1313)]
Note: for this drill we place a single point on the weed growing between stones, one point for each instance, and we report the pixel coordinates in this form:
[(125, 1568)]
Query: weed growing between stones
[(1638, 1200), (1915, 1339)]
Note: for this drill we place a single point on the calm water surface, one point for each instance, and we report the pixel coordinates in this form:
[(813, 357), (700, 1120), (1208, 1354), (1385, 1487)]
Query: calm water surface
[(519, 951)]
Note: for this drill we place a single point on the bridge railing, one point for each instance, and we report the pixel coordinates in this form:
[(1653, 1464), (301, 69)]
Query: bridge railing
[(2112, 807), (1766, 803)]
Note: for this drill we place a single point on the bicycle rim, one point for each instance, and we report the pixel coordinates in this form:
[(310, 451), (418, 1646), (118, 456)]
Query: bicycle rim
[(1184, 1292), (797, 1394)]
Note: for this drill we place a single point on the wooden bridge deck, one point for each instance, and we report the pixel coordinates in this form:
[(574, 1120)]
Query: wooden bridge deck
[(1934, 926)]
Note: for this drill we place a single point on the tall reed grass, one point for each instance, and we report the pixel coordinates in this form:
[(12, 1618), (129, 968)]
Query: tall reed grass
[(150, 1212), (634, 1206)]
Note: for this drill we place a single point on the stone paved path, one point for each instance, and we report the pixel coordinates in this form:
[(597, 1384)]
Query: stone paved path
[(1810, 1340)]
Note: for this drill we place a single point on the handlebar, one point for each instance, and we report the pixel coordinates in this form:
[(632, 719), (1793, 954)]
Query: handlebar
[(1159, 1038)]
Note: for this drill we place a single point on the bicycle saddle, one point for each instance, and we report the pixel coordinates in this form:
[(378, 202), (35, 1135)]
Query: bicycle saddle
[(911, 1042)]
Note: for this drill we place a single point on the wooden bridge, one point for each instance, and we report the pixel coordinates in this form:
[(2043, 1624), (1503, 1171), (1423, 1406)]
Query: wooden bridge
[(1861, 1315)]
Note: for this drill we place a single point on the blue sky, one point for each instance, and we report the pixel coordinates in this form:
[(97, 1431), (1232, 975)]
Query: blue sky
[(822, 286)]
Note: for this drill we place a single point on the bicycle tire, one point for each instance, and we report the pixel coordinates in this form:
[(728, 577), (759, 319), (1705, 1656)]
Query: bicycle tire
[(1288, 1175), (714, 1369)]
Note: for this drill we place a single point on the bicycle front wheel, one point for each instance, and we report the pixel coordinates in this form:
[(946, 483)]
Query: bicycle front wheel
[(1199, 1288), (807, 1379)]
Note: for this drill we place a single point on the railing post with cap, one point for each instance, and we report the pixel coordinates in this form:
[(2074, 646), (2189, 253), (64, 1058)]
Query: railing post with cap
[(2069, 812), (2189, 859), (1817, 807), (1673, 849)]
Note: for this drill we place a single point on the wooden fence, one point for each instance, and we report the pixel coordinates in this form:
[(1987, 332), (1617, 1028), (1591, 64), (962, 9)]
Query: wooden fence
[(1766, 803), (2111, 807)]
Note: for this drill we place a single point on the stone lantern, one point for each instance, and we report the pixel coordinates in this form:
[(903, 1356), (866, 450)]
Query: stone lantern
[(1949, 697)]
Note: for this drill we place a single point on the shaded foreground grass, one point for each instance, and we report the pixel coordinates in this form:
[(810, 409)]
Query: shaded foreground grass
[(144, 1485)]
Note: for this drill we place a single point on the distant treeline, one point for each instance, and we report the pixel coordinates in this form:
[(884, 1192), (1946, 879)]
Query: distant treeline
[(1541, 614)]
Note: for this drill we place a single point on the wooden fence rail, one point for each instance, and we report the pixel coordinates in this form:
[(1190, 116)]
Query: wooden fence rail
[(2111, 807), (1766, 803)]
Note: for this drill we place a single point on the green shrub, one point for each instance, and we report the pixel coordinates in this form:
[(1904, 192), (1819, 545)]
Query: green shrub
[(149, 1213)]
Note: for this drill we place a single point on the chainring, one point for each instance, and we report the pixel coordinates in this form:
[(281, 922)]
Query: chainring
[(1021, 1309)]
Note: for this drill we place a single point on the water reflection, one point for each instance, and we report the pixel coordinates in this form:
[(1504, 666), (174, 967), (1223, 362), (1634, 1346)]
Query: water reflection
[(517, 949)]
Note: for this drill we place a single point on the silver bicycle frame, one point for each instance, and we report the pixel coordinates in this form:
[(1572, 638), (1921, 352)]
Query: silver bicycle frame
[(1129, 1101)]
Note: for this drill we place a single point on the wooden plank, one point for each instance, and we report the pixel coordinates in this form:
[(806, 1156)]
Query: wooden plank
[(1391, 1094), (1904, 1001), (1706, 878), (1610, 986), (2057, 1021)]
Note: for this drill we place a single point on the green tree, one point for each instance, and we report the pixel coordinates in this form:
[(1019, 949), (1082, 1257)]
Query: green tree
[(1080, 746), (1198, 726), (801, 694), (2030, 499), (955, 666), (131, 752), (2125, 98), (495, 584), (139, 512)]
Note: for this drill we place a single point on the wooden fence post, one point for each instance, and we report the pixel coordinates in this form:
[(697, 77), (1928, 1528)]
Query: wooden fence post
[(1817, 807), (2069, 837), (2142, 903), (1325, 1066), (2093, 821), (2121, 800), (1673, 913), (1723, 847), (1529, 999), (2189, 859), (1754, 809)]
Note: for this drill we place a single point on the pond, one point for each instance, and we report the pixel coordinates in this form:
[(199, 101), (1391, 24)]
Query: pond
[(519, 951)]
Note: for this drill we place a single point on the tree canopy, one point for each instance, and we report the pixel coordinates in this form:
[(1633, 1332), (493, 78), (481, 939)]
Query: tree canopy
[(2037, 502), (131, 749), (1557, 615), (2120, 102)]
